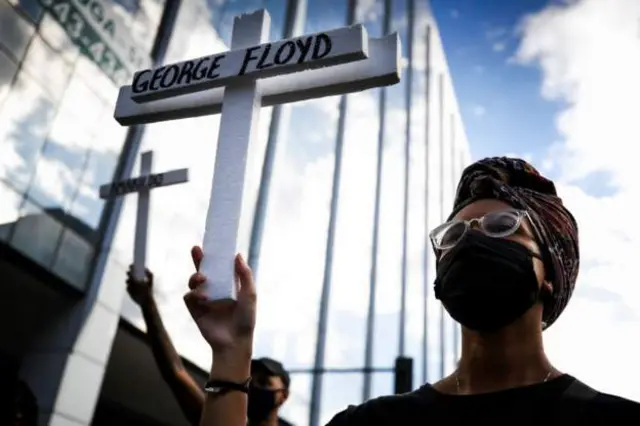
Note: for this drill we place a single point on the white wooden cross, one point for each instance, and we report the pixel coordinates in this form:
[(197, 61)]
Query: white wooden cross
[(142, 185), (253, 74)]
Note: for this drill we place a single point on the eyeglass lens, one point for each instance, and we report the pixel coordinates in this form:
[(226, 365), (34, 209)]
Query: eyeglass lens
[(493, 224)]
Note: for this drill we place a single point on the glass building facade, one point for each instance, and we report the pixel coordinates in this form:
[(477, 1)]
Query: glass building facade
[(61, 63)]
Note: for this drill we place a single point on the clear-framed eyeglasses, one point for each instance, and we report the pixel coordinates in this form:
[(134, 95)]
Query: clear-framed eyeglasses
[(497, 224)]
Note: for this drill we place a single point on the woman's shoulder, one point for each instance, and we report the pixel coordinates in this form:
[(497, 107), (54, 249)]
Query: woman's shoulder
[(617, 406)]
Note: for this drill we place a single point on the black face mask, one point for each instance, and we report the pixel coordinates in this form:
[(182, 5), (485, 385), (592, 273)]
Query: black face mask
[(261, 403), (487, 283)]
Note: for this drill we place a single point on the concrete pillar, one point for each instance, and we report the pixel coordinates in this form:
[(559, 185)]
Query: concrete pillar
[(66, 364)]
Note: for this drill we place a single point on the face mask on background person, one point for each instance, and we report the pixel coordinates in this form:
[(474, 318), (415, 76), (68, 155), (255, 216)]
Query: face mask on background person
[(261, 403), (485, 281)]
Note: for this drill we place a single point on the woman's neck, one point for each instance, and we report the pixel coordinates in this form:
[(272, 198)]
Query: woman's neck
[(508, 359)]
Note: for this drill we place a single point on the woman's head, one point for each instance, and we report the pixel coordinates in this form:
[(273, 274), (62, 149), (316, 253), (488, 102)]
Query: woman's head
[(509, 245)]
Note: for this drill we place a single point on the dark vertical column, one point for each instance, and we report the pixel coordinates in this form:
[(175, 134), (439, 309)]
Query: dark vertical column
[(403, 377), (295, 8), (442, 213), (373, 275), (425, 260), (133, 138), (407, 168), (325, 295)]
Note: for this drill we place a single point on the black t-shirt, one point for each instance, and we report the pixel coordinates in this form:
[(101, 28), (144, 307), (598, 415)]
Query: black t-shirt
[(283, 422), (562, 401)]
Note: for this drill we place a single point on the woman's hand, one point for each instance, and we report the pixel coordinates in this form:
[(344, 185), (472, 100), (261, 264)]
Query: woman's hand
[(226, 325)]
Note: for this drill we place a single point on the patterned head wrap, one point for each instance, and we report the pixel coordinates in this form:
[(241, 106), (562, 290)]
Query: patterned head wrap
[(519, 184)]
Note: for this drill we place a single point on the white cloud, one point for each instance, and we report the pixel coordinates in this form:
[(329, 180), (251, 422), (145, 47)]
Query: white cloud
[(479, 110), (494, 33), (527, 156), (589, 54), (498, 46)]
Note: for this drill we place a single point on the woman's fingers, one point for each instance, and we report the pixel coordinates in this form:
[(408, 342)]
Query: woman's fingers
[(247, 288), (196, 281), (196, 256)]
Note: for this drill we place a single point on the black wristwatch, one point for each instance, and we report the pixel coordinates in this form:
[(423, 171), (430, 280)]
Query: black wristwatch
[(220, 387)]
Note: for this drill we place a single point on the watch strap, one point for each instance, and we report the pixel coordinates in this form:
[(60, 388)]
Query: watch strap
[(220, 387)]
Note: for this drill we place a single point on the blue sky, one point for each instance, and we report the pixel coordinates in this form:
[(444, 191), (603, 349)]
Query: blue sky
[(500, 101)]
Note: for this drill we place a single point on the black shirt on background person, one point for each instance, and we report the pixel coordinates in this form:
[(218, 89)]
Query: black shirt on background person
[(507, 261)]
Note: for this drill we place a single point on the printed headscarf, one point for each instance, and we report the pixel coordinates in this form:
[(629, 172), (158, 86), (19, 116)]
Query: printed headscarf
[(519, 184)]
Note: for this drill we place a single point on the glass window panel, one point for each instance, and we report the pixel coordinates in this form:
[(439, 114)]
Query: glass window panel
[(73, 259), (352, 248), (339, 391), (57, 39), (391, 215), (15, 31), (97, 81), (102, 160), (152, 9), (325, 15), (36, 234), (25, 119), (9, 213), (277, 10), (382, 384), (85, 204), (131, 6), (352, 257), (222, 17), (61, 163), (31, 8), (370, 13), (7, 72), (79, 92), (418, 242), (296, 409), (143, 23), (40, 56)]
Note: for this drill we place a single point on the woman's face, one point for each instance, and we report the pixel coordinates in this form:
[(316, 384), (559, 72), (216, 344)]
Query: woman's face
[(524, 235)]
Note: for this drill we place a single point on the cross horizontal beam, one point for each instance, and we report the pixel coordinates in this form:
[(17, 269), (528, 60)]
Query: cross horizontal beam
[(137, 184), (262, 61), (381, 68)]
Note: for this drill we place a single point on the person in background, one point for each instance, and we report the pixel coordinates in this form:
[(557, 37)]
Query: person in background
[(506, 266), (268, 389)]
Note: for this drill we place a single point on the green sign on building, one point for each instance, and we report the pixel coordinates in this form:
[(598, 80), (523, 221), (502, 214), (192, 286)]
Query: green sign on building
[(100, 35)]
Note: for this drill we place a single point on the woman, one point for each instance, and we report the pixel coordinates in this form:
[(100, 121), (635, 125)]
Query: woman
[(507, 262)]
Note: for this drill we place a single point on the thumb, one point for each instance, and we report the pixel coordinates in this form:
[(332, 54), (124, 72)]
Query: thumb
[(247, 288)]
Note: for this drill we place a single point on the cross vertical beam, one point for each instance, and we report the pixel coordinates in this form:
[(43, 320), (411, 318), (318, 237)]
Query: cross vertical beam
[(142, 184), (142, 218), (238, 127)]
